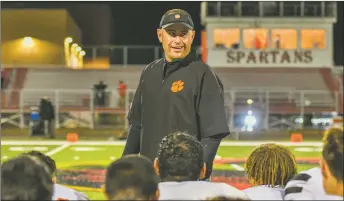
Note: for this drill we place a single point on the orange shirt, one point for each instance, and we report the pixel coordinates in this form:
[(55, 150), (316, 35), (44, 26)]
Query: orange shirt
[(122, 88)]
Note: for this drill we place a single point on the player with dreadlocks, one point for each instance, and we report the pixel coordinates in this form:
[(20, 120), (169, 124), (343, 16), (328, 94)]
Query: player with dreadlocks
[(269, 167), (325, 183)]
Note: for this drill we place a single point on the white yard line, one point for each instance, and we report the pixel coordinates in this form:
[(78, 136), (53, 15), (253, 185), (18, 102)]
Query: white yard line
[(106, 143), (237, 167), (58, 149)]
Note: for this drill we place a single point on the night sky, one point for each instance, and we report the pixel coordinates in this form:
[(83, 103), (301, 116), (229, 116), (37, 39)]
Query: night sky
[(144, 19), (135, 23)]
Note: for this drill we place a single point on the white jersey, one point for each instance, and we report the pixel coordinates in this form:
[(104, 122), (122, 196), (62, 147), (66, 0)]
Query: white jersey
[(264, 193), (197, 190), (63, 193), (307, 185)]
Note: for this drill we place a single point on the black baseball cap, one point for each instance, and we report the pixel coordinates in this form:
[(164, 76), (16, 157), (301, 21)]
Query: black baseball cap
[(176, 16)]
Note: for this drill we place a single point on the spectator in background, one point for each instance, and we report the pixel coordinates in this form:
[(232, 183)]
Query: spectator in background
[(278, 41), (131, 177), (25, 178), (180, 165), (269, 168), (257, 42), (2, 81), (47, 115), (122, 90), (100, 89), (236, 45)]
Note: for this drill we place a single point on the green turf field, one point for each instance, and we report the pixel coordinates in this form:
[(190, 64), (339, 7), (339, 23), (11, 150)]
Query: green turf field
[(103, 152)]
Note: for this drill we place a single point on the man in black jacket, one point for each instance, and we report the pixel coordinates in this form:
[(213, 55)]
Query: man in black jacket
[(177, 93), (47, 115)]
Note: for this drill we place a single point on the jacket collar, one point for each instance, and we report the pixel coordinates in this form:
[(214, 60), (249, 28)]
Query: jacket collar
[(192, 56)]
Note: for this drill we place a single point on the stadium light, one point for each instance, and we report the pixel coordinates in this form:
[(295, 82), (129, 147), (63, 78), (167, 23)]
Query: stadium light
[(67, 50), (81, 58), (78, 49), (74, 55), (68, 40), (28, 42), (249, 101)]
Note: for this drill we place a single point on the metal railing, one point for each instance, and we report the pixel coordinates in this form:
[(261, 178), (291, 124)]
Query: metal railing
[(84, 105), (114, 56), (126, 55), (269, 9)]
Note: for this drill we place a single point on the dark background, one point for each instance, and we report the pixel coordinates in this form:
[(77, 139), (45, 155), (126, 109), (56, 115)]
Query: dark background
[(135, 23)]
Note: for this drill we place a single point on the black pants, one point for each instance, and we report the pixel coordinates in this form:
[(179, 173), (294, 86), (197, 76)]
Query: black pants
[(49, 128)]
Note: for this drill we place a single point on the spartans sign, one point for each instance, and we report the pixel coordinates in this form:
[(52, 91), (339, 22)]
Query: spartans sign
[(269, 57)]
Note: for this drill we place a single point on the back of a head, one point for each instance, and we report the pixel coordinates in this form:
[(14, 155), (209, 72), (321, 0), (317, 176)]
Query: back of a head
[(25, 178), (271, 164), (48, 161), (131, 178), (180, 158), (333, 156), (333, 151)]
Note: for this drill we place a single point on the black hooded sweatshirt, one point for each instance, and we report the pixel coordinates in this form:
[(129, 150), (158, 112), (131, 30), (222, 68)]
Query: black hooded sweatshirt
[(183, 95)]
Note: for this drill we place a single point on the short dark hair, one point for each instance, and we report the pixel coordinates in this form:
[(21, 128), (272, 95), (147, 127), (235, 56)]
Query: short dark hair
[(25, 178), (131, 177), (333, 151), (180, 157), (271, 164), (47, 160)]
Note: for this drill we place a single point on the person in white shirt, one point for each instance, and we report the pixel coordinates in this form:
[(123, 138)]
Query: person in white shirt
[(306, 185), (60, 192), (269, 167), (331, 163), (180, 166)]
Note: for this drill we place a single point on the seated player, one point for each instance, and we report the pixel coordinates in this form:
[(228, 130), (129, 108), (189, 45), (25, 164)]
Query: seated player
[(131, 177), (269, 167), (60, 192), (180, 166), (332, 164), (309, 185), (25, 178)]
